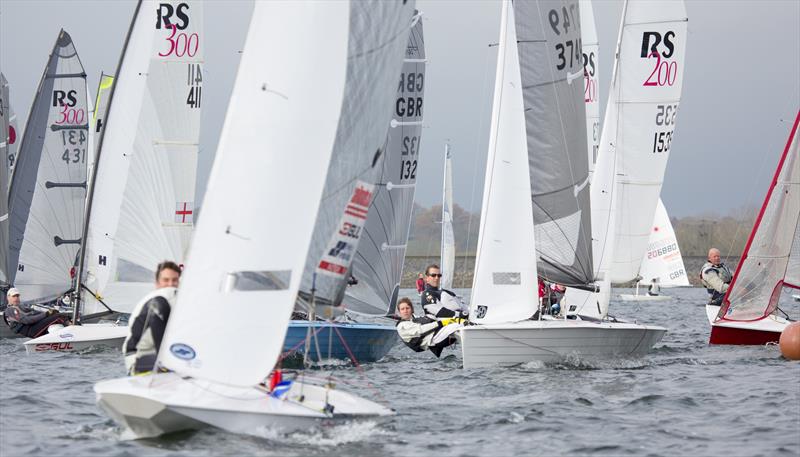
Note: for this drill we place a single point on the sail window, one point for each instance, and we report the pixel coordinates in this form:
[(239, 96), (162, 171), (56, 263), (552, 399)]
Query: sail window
[(249, 281), (507, 279)]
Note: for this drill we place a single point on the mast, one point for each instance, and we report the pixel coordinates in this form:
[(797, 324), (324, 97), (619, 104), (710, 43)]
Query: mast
[(90, 189)]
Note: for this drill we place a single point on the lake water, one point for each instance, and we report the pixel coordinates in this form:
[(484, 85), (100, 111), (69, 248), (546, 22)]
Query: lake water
[(684, 398)]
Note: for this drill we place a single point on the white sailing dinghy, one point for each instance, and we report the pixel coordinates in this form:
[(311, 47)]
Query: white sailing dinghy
[(663, 261), (291, 113), (537, 170), (448, 248), (141, 195), (48, 188), (770, 261), (637, 133)]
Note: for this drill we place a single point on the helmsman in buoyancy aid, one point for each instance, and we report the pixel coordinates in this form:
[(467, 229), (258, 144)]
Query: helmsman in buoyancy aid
[(421, 333), (715, 276), (149, 320), (440, 303)]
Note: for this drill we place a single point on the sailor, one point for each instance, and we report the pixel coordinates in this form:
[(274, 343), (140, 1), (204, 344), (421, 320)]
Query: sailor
[(149, 319), (654, 289), (716, 277), (421, 333), (26, 321), (440, 303)]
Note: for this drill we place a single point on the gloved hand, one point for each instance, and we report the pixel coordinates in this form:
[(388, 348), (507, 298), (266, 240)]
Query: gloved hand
[(452, 320)]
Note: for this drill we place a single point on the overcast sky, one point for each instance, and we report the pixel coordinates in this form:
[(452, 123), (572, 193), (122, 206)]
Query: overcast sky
[(741, 85)]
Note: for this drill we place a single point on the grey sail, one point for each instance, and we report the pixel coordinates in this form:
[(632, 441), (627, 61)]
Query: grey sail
[(5, 113), (377, 37), (378, 264), (551, 66), (48, 188)]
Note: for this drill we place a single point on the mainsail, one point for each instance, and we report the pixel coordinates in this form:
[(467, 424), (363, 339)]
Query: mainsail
[(4, 179), (266, 149), (591, 80), (448, 248), (663, 260), (378, 263), (378, 34), (48, 189), (551, 64), (770, 258), (141, 203), (639, 125), (505, 282)]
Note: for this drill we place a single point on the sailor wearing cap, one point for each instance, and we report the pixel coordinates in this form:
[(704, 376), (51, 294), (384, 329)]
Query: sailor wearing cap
[(26, 321)]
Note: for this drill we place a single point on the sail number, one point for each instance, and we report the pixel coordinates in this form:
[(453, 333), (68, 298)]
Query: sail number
[(665, 116), (71, 115), (74, 155), (73, 137), (194, 79), (574, 53), (408, 169)]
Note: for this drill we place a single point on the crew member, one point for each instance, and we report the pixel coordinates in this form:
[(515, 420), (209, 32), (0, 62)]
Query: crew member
[(654, 289), (149, 319), (716, 277), (421, 333), (440, 303), (26, 321)]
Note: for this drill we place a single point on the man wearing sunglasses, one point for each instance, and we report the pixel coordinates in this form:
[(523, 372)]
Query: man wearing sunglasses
[(440, 303)]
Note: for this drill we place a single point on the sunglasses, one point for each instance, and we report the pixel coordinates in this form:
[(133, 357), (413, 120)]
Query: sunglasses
[(435, 275)]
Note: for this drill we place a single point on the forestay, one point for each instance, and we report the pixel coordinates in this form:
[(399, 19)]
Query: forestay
[(591, 80), (378, 33), (448, 248), (142, 199), (770, 258), (505, 283), (282, 127), (550, 56), (640, 122), (663, 260), (4, 178), (48, 190), (378, 263)]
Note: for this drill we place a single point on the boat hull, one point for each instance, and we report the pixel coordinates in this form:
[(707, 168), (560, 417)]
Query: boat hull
[(155, 405), (74, 338), (764, 331), (551, 340), (366, 342), (633, 297)]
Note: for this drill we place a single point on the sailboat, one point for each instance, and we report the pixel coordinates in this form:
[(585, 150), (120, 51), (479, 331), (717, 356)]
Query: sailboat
[(340, 86), (374, 282), (140, 204), (448, 249), (537, 171), (770, 261), (48, 187), (662, 262)]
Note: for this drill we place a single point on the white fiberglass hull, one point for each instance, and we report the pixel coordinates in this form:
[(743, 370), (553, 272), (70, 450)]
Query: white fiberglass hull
[(154, 405), (78, 337), (633, 297), (549, 340)]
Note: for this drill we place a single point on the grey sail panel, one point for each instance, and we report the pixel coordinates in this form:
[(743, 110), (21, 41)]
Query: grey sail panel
[(551, 66), (5, 113), (48, 190), (377, 37), (378, 264)]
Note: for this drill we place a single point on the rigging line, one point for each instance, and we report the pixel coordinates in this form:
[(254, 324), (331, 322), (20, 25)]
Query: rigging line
[(475, 167), (359, 368)]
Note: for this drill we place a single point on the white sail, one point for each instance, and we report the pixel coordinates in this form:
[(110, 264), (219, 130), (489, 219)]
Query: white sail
[(505, 284), (378, 264), (142, 200), (591, 80), (280, 135), (48, 190), (99, 113), (640, 122), (663, 260), (5, 175), (448, 248), (769, 260)]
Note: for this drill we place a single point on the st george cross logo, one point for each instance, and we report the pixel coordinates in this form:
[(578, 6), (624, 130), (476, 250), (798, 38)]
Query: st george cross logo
[(183, 212)]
